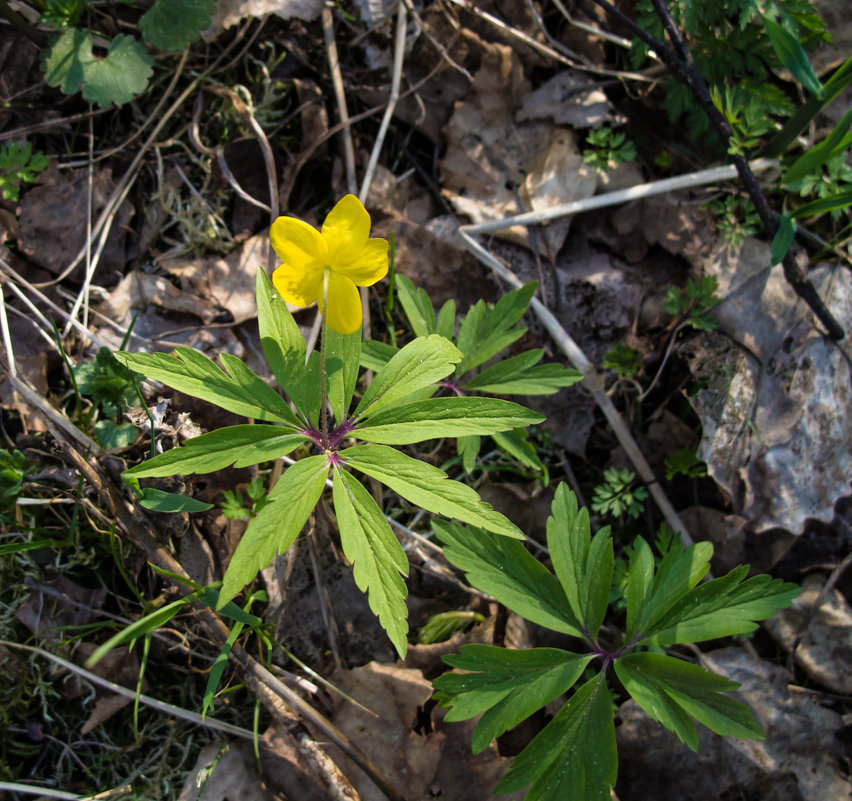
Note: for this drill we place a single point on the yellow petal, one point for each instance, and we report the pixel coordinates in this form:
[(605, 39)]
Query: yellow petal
[(345, 230), (369, 266), (299, 245), (344, 304), (296, 285)]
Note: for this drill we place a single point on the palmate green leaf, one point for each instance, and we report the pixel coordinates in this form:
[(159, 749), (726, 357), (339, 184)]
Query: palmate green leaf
[(277, 525), (192, 372), (240, 446), (522, 375), (443, 417), (670, 690), (418, 308), (573, 757), (486, 330), (722, 607), (123, 73), (507, 686), (427, 486), (505, 569), (343, 356), (376, 556), (172, 25), (285, 349), (417, 366), (170, 502), (582, 564), (679, 571)]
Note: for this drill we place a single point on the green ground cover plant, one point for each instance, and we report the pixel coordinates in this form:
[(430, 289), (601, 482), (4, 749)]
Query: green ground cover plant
[(451, 380), (336, 430), (575, 755)]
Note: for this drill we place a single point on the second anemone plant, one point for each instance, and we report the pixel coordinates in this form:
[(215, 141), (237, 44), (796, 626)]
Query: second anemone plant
[(319, 416)]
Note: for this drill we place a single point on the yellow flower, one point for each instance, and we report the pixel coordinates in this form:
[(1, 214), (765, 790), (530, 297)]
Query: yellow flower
[(343, 250)]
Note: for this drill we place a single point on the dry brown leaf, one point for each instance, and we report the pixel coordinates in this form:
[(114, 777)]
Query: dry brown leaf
[(434, 259), (46, 615), (725, 531), (825, 649), (495, 168), (119, 666), (568, 98), (420, 762), (791, 452), (797, 761), (234, 777), (31, 362), (226, 283), (54, 221), (139, 290), (230, 12)]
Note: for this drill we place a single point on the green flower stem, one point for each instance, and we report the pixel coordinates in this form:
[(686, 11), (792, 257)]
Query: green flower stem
[(323, 337)]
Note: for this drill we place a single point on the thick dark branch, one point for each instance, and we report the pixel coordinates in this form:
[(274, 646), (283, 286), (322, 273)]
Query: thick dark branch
[(683, 66)]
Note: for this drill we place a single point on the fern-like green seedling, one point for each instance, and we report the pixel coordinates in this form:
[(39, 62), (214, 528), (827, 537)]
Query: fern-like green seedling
[(608, 148), (736, 219), (685, 462), (617, 495), (623, 359), (693, 304), (19, 165), (575, 756)]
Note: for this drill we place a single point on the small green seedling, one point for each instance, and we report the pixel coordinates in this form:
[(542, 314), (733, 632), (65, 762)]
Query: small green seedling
[(19, 165), (685, 462), (234, 507), (623, 359), (617, 496), (736, 219), (693, 305), (608, 148), (112, 389)]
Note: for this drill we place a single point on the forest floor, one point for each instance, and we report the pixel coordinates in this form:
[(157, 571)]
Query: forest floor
[(146, 230)]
